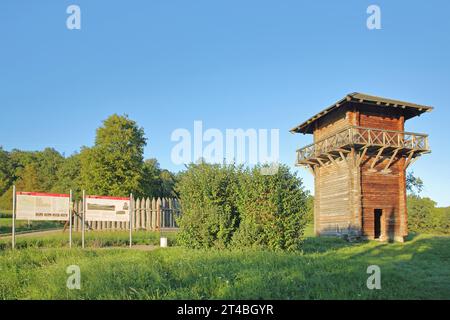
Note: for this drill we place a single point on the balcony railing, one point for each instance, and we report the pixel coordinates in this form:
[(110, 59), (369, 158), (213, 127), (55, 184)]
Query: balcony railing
[(364, 137)]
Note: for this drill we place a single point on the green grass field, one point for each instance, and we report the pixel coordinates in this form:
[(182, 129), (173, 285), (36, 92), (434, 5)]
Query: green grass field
[(93, 240), (22, 226), (328, 268)]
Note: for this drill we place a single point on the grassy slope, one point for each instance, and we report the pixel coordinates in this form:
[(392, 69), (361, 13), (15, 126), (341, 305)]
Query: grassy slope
[(327, 269)]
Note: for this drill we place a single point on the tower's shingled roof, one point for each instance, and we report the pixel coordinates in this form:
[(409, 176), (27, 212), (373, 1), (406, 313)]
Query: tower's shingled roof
[(410, 110)]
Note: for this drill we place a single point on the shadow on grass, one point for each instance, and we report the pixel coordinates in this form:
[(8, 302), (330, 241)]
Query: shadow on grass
[(324, 244), (415, 270), (411, 236), (328, 268)]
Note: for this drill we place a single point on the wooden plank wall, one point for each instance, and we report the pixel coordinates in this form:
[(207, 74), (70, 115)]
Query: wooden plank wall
[(355, 201), (337, 206), (373, 117), (383, 191), (148, 214), (331, 124), (333, 210)]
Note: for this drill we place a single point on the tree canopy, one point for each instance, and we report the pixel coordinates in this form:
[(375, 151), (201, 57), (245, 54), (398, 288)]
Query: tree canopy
[(114, 165), (424, 216)]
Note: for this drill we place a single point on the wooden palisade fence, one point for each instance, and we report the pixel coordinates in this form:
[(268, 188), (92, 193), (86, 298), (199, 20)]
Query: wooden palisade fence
[(148, 214)]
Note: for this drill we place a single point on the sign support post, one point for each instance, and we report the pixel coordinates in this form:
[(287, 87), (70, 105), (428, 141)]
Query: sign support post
[(13, 236), (82, 219), (70, 219), (131, 219)]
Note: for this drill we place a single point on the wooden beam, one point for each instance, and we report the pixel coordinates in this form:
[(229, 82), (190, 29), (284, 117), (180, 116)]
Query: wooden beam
[(353, 157), (361, 156), (412, 161), (411, 153), (344, 150), (320, 161), (391, 159), (374, 162), (309, 162), (332, 160)]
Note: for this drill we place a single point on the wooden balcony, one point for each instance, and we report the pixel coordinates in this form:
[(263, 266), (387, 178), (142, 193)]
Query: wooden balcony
[(366, 141)]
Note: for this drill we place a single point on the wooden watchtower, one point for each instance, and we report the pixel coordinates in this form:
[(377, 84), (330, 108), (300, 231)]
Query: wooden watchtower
[(359, 158)]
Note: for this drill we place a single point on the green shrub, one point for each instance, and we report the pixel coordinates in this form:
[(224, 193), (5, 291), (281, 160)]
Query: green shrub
[(424, 216), (309, 216), (5, 215), (272, 210), (208, 197), (419, 211), (228, 206)]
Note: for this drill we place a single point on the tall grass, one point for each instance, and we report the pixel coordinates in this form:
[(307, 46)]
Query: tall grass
[(22, 226), (96, 239), (328, 268)]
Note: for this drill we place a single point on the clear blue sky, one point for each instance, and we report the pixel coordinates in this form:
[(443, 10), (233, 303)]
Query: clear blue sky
[(232, 64)]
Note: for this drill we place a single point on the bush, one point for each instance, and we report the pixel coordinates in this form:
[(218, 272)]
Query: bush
[(272, 210), (5, 215), (424, 216), (208, 198), (228, 206)]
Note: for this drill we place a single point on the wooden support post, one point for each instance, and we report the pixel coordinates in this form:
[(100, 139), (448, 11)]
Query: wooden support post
[(411, 153), (411, 162), (361, 156), (343, 156), (320, 161), (374, 162), (317, 201), (332, 159), (386, 168)]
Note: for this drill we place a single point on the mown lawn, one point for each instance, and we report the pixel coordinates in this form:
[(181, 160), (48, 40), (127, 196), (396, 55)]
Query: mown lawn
[(328, 268)]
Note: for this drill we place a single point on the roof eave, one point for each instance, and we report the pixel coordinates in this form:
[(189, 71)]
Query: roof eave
[(362, 98)]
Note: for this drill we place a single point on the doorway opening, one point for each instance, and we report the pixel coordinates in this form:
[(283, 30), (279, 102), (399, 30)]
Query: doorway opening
[(377, 227)]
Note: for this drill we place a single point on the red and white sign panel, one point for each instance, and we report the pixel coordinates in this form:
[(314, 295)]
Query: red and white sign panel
[(107, 209), (42, 206)]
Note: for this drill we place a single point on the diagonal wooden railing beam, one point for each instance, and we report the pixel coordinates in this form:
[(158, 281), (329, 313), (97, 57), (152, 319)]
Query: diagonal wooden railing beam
[(363, 140)]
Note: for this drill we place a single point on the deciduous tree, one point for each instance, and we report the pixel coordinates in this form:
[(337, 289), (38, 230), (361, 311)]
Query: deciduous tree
[(113, 166)]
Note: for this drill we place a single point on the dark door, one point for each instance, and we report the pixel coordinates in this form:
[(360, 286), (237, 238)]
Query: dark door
[(377, 227)]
